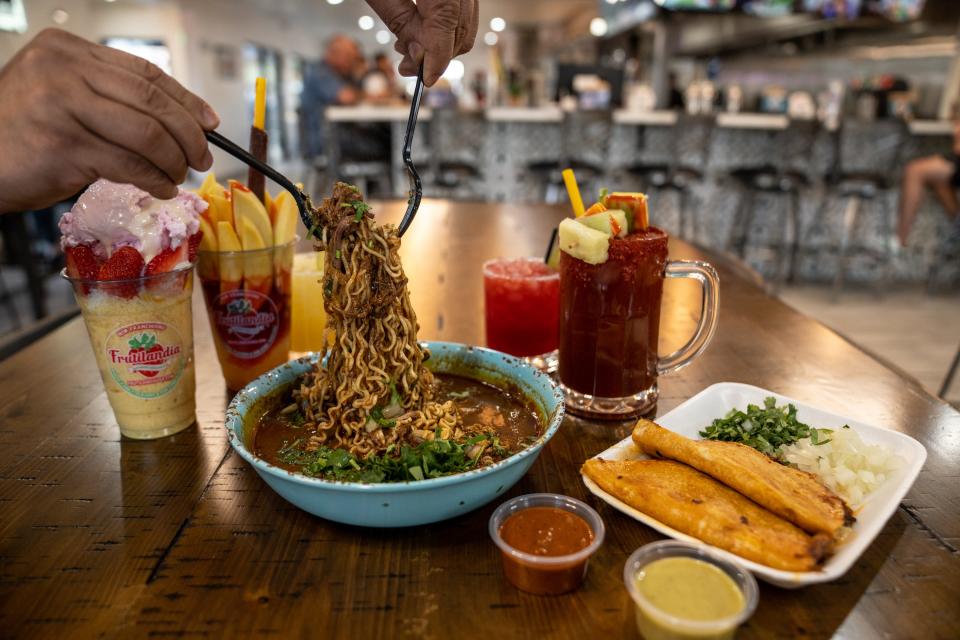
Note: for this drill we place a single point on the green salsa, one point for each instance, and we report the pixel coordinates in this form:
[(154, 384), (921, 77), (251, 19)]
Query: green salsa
[(688, 590)]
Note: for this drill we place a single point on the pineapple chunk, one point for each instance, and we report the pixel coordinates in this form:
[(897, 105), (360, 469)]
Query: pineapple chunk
[(580, 241), (612, 222)]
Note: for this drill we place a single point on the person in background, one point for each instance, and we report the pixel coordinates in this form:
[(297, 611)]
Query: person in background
[(675, 96), (385, 66), (74, 111), (380, 83), (939, 174), (329, 82)]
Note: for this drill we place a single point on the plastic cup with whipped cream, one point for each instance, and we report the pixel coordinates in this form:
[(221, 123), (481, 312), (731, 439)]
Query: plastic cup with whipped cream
[(129, 257)]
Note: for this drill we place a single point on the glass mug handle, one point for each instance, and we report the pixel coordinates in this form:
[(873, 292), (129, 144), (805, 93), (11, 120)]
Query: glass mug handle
[(706, 275)]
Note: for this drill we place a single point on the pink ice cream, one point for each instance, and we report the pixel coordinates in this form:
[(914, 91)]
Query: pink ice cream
[(109, 216)]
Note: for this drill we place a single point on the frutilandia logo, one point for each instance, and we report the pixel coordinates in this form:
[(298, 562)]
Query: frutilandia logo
[(145, 356)]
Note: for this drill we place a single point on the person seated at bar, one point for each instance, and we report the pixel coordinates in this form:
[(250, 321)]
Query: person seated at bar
[(938, 174)]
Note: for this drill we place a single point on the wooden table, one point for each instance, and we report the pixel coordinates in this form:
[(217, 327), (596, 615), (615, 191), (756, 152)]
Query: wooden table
[(179, 537)]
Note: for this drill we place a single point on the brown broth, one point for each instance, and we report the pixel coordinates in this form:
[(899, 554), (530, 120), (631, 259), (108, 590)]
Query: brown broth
[(512, 416)]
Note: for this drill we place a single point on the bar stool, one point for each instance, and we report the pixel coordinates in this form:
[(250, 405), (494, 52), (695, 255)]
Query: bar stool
[(6, 300), (865, 172), (458, 139), (586, 140), (541, 147), (674, 158), (357, 166), (774, 173), (948, 379)]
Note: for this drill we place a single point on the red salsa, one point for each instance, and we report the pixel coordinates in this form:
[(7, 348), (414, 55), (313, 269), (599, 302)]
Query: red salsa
[(610, 316), (549, 532)]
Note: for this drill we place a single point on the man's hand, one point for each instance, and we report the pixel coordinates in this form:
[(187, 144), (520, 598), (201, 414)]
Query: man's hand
[(72, 111), (431, 32)]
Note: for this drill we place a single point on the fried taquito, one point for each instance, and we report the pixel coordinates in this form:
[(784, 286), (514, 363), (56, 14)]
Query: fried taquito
[(794, 495), (697, 505)]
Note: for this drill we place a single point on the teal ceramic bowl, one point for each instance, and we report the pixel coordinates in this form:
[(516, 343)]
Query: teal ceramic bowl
[(404, 504)]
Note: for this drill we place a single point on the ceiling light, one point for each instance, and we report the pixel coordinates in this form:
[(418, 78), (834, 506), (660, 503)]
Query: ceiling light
[(490, 38), (598, 27), (454, 70), (334, 1), (365, 22), (59, 16), (498, 24), (383, 36)]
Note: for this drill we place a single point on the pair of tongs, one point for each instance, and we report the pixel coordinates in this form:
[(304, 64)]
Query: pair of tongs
[(416, 189)]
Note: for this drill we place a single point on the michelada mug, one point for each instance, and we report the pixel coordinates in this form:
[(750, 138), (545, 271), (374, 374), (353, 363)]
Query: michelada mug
[(610, 325)]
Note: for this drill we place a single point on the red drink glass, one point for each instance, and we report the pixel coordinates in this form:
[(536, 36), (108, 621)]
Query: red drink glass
[(522, 304), (610, 325)]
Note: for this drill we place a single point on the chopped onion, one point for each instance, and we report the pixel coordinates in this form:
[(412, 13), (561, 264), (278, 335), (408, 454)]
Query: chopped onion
[(843, 462), (393, 410)]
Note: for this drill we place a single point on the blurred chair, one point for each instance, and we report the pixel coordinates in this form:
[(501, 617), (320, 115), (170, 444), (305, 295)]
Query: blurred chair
[(18, 244), (9, 307), (948, 379), (458, 139), (771, 168), (586, 141), (525, 159), (674, 158), (865, 173), (359, 153)]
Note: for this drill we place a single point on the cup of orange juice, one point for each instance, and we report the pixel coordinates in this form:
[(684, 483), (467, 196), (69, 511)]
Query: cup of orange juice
[(308, 318)]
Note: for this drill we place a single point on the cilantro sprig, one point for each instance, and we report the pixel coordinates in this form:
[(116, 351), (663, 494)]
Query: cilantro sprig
[(359, 207), (766, 428)]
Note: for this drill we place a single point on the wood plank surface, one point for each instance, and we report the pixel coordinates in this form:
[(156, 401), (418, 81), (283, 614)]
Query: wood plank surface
[(104, 537)]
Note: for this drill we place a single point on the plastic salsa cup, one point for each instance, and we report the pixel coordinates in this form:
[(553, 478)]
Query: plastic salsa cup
[(542, 574), (656, 624)]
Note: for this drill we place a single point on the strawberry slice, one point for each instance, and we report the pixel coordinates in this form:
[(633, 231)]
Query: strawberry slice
[(125, 264), (167, 260), (193, 245), (81, 262)]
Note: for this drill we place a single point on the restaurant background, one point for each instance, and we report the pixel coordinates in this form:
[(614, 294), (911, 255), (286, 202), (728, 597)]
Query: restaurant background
[(588, 83)]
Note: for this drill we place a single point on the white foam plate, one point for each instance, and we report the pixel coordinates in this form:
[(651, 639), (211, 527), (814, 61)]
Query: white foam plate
[(714, 402)]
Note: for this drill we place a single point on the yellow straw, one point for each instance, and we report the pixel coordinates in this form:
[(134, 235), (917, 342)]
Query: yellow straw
[(574, 192), (260, 104)]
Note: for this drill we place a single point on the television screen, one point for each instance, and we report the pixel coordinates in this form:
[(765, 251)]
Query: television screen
[(768, 8), (697, 5), (626, 14), (834, 9), (899, 10)]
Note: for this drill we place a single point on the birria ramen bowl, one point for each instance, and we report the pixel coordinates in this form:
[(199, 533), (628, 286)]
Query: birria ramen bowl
[(414, 502)]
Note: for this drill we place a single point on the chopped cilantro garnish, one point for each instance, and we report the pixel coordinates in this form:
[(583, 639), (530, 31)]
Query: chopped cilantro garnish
[(360, 208), (766, 428), (429, 459)]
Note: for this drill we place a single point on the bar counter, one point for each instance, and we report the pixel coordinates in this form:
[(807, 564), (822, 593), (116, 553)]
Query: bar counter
[(514, 154), (105, 537)]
